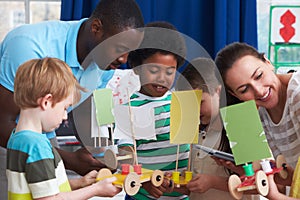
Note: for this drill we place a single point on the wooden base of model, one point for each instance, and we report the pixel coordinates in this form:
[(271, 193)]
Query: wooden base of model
[(132, 181)]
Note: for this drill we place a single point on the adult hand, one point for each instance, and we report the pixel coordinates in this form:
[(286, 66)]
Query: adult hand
[(200, 183), (229, 165), (80, 161)]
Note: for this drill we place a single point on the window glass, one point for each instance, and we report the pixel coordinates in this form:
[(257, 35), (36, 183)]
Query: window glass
[(13, 13)]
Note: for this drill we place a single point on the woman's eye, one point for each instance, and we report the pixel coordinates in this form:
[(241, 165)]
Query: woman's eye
[(259, 76), (244, 90)]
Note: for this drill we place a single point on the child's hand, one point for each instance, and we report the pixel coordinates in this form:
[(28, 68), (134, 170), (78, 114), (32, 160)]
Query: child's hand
[(273, 194), (89, 178), (157, 191), (84, 181), (288, 180), (105, 188), (200, 183)]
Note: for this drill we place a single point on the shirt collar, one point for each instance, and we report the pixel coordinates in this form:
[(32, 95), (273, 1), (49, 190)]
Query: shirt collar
[(71, 51)]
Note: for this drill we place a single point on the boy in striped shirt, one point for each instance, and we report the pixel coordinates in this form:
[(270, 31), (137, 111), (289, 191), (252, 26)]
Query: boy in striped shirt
[(157, 67), (44, 90)]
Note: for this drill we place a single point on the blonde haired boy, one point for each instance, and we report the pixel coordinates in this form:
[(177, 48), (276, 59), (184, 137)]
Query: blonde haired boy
[(44, 90)]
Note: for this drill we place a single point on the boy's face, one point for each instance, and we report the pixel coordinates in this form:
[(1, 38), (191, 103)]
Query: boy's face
[(157, 74), (209, 107), (56, 114)]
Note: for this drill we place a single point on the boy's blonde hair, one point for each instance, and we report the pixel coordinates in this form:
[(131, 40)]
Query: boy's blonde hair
[(39, 77)]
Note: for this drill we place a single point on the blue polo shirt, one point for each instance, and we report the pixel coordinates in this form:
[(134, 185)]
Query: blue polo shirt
[(46, 39)]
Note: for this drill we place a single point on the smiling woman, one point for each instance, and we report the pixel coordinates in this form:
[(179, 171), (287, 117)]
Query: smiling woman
[(249, 75)]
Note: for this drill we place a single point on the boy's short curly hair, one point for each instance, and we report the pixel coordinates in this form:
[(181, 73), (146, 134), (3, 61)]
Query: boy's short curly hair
[(160, 37)]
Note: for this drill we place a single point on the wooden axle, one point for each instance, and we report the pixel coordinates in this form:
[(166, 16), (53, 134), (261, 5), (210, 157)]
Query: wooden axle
[(125, 155)]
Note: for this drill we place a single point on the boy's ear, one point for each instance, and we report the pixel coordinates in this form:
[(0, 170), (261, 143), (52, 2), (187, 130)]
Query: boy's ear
[(45, 102), (218, 90)]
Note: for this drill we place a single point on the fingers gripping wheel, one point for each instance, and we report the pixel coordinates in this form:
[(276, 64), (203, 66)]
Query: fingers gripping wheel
[(281, 162), (103, 173), (262, 184), (233, 182), (132, 184), (171, 186), (157, 178)]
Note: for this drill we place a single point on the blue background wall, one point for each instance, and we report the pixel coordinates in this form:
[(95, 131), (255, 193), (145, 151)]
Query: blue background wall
[(212, 23)]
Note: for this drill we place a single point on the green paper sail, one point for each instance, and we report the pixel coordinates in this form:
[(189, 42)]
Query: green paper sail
[(104, 104), (245, 132)]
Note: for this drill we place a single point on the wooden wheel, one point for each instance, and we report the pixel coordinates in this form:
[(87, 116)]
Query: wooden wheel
[(124, 151), (281, 162), (262, 183), (110, 159), (103, 173), (157, 178), (132, 184), (233, 182)]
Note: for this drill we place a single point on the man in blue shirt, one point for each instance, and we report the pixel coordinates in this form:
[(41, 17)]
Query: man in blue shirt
[(73, 42)]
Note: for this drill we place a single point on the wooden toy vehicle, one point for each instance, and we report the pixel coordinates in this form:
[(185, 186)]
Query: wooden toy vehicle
[(131, 179), (255, 180)]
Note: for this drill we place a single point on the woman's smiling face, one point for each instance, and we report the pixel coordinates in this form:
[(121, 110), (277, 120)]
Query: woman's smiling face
[(250, 78), (157, 74)]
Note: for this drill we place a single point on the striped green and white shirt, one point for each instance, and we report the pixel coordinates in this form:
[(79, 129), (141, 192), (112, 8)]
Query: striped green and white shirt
[(34, 167), (159, 153)]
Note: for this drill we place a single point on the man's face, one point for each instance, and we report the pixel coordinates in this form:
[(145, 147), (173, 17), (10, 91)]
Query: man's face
[(113, 51)]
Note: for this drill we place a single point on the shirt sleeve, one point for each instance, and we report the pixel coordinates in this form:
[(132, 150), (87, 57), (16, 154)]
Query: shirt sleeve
[(41, 170), (14, 52)]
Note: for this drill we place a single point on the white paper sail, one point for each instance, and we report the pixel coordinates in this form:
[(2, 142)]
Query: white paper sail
[(143, 123)]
